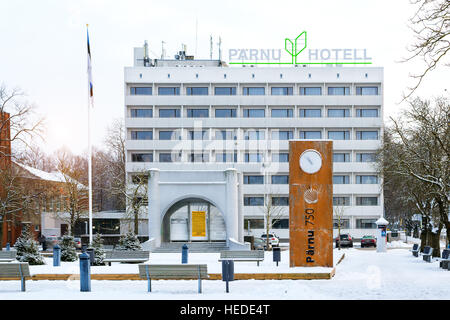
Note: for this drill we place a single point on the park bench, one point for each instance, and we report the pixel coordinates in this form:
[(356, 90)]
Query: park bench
[(415, 250), (126, 256), (445, 259), (173, 271), (427, 252), (242, 255), (19, 270), (8, 256)]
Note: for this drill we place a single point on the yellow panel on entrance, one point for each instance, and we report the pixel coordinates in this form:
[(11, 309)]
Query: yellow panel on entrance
[(199, 223)]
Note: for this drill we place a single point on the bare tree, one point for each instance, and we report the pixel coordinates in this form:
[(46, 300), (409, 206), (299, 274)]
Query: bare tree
[(74, 169), (136, 194), (431, 27), (273, 212), (338, 212)]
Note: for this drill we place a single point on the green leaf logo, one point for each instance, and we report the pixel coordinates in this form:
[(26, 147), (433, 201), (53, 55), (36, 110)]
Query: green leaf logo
[(295, 47)]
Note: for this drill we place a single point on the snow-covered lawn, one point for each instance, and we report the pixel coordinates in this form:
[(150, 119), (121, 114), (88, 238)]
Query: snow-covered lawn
[(363, 274)]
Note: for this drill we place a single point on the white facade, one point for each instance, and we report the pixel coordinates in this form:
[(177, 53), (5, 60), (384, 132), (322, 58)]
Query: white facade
[(256, 153)]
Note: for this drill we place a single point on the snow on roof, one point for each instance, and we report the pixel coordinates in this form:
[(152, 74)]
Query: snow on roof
[(55, 176)]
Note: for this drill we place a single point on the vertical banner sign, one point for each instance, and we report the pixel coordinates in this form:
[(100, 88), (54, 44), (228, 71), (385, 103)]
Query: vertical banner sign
[(198, 223), (310, 203)]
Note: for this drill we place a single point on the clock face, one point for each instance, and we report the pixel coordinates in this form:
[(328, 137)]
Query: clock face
[(310, 161)]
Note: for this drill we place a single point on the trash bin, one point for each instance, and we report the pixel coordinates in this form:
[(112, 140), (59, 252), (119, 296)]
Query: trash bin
[(184, 253), (227, 272), (276, 254), (83, 247)]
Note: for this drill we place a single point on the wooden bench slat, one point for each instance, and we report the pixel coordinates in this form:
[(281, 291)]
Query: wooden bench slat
[(12, 270), (173, 271)]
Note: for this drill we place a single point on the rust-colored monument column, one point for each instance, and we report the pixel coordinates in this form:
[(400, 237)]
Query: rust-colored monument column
[(311, 203)]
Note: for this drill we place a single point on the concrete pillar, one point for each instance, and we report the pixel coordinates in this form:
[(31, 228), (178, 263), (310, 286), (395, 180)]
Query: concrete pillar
[(154, 212), (232, 210), (240, 207)]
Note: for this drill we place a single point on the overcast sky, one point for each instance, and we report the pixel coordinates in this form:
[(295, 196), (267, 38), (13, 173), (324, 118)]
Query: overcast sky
[(43, 47)]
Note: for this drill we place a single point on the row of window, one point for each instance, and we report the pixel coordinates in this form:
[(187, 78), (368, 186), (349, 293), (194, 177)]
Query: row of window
[(284, 201), (255, 134), (248, 157), (337, 179), (256, 91), (256, 113), (284, 224)]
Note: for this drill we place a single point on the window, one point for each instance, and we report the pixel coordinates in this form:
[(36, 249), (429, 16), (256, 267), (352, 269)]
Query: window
[(341, 157), (367, 113), (367, 179), (280, 201), (197, 113), (169, 113), (141, 91), (142, 157), (225, 113), (281, 91), (253, 224), (199, 135), (281, 224), (366, 91), (253, 201), (254, 135), (345, 223), (141, 135), (225, 135), (338, 91), (366, 224), (199, 157), (141, 113), (254, 113), (339, 135), (225, 91), (280, 179), (168, 135), (282, 113), (226, 157), (367, 135), (253, 157), (282, 135), (338, 113), (341, 179), (253, 179), (341, 201), (366, 201), (253, 91), (311, 91), (197, 91), (310, 135), (365, 157), (280, 157), (169, 91), (310, 113), (165, 157)]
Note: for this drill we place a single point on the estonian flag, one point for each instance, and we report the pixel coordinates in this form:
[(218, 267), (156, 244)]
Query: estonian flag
[(91, 86)]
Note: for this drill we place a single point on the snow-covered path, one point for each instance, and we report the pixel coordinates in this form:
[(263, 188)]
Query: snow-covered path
[(363, 274)]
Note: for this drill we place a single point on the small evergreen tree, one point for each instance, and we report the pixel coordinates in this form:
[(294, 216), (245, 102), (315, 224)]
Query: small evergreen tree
[(99, 252), (68, 249), (129, 241), (27, 248)]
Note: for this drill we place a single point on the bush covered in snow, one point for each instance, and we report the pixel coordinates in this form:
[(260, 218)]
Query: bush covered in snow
[(99, 252), (28, 249), (68, 249), (129, 241)]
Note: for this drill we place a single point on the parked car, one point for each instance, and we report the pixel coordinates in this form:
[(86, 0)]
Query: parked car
[(345, 240), (77, 243), (260, 244), (51, 241), (273, 239), (368, 241)]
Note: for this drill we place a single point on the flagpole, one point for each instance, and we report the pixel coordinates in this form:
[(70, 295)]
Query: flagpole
[(90, 105)]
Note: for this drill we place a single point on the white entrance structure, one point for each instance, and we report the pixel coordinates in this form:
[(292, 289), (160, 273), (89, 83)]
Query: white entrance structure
[(174, 195)]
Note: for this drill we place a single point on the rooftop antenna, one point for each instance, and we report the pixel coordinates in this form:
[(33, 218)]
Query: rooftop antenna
[(146, 58), (220, 50), (163, 52), (210, 47)]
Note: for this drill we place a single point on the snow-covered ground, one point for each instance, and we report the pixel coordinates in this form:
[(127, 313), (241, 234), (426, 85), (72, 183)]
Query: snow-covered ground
[(362, 274)]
